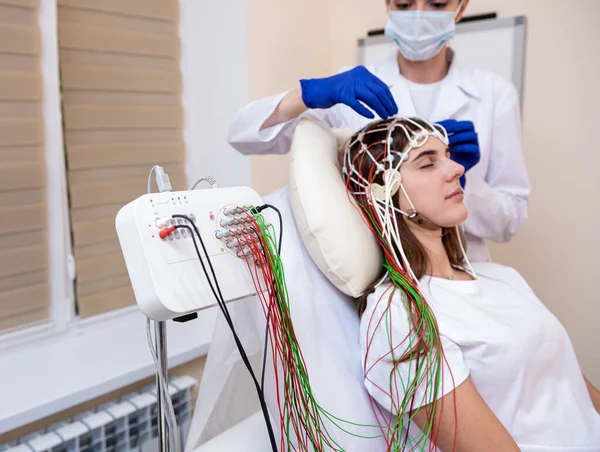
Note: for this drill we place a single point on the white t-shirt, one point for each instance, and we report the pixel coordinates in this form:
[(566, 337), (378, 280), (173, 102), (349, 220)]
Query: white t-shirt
[(424, 97), (515, 350)]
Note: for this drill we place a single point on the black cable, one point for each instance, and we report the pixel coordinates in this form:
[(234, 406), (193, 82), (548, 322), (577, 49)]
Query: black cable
[(225, 310), (264, 363), (221, 302), (270, 206)]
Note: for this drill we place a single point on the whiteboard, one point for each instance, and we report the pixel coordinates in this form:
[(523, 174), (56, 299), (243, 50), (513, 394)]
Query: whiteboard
[(496, 45)]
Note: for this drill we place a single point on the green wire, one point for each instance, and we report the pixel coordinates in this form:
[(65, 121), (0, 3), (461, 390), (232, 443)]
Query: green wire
[(304, 410)]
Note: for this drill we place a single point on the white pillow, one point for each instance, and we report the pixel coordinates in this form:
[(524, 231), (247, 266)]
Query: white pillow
[(333, 230)]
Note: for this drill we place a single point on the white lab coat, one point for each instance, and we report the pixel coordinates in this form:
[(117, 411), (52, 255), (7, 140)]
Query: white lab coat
[(497, 188)]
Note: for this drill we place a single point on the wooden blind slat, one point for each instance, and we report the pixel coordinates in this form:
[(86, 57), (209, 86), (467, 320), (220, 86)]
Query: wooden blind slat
[(127, 154), (107, 19), (23, 280), (21, 131), (99, 268), (19, 39), (15, 176), (103, 285), (18, 62), (97, 249), (119, 97), (10, 109), (84, 137), (20, 86), (15, 15), (22, 300), (22, 218), (86, 117), (89, 232), (166, 10), (27, 318), (112, 192), (91, 213), (20, 239), (21, 154), (30, 4), (22, 260), (104, 39), (117, 172), (78, 56), (106, 301), (19, 197), (121, 79)]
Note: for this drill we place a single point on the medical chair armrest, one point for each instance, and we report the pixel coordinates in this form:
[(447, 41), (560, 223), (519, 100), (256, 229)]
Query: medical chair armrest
[(464, 423)]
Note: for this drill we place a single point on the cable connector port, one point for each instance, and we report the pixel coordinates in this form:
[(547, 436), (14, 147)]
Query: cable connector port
[(164, 233), (163, 222), (232, 211)]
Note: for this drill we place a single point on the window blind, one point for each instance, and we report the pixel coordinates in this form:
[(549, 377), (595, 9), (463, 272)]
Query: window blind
[(121, 88), (24, 294)]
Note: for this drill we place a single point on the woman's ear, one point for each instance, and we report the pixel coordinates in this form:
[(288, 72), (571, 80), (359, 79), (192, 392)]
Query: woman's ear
[(461, 12)]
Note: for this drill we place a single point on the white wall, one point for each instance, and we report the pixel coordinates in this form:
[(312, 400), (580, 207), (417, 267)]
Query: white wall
[(287, 40), (559, 249), (214, 65)]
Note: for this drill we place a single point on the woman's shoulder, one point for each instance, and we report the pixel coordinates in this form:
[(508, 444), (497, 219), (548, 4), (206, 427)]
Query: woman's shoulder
[(387, 297), (387, 304), (495, 270), (387, 291), (492, 272)]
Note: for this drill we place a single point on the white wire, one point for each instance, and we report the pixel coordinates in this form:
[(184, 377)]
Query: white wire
[(387, 218), (464, 253), (211, 181), (385, 228), (164, 395), (150, 177)]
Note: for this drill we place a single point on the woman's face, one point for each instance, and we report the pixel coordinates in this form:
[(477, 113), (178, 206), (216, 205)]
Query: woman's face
[(427, 5), (431, 180)]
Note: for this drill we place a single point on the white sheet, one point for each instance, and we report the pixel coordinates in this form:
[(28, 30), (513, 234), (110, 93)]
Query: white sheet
[(250, 435), (327, 328)]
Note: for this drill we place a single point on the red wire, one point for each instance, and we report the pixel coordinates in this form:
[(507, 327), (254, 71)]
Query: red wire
[(363, 204), (286, 352)]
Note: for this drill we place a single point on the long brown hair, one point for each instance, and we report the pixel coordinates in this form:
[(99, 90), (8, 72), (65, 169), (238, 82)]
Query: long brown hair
[(413, 249)]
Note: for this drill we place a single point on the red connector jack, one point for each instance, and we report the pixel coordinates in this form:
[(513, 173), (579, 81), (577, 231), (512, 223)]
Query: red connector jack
[(166, 232)]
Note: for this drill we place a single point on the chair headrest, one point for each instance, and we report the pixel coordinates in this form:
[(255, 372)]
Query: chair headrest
[(329, 221)]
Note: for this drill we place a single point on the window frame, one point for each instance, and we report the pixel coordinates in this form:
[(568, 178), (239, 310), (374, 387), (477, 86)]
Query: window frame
[(35, 353)]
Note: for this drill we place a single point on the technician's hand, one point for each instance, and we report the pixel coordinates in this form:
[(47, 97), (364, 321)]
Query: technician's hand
[(351, 88), (464, 144)]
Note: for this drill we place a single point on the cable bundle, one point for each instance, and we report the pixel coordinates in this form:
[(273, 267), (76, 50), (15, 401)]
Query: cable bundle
[(299, 411), (302, 421), (372, 174)]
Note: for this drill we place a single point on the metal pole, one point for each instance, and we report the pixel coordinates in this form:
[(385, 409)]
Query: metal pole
[(160, 338)]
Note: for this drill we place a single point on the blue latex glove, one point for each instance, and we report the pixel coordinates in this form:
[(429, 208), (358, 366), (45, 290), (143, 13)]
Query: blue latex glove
[(464, 144), (350, 88)]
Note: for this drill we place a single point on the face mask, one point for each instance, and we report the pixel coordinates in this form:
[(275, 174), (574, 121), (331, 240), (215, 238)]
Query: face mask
[(421, 35)]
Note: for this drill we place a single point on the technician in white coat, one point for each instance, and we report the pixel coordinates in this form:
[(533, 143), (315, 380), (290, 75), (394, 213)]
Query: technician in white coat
[(421, 79)]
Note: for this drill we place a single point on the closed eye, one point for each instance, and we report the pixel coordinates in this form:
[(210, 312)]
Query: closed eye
[(402, 6), (439, 5)]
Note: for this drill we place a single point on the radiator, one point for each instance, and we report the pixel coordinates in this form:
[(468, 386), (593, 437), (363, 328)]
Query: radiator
[(127, 424)]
